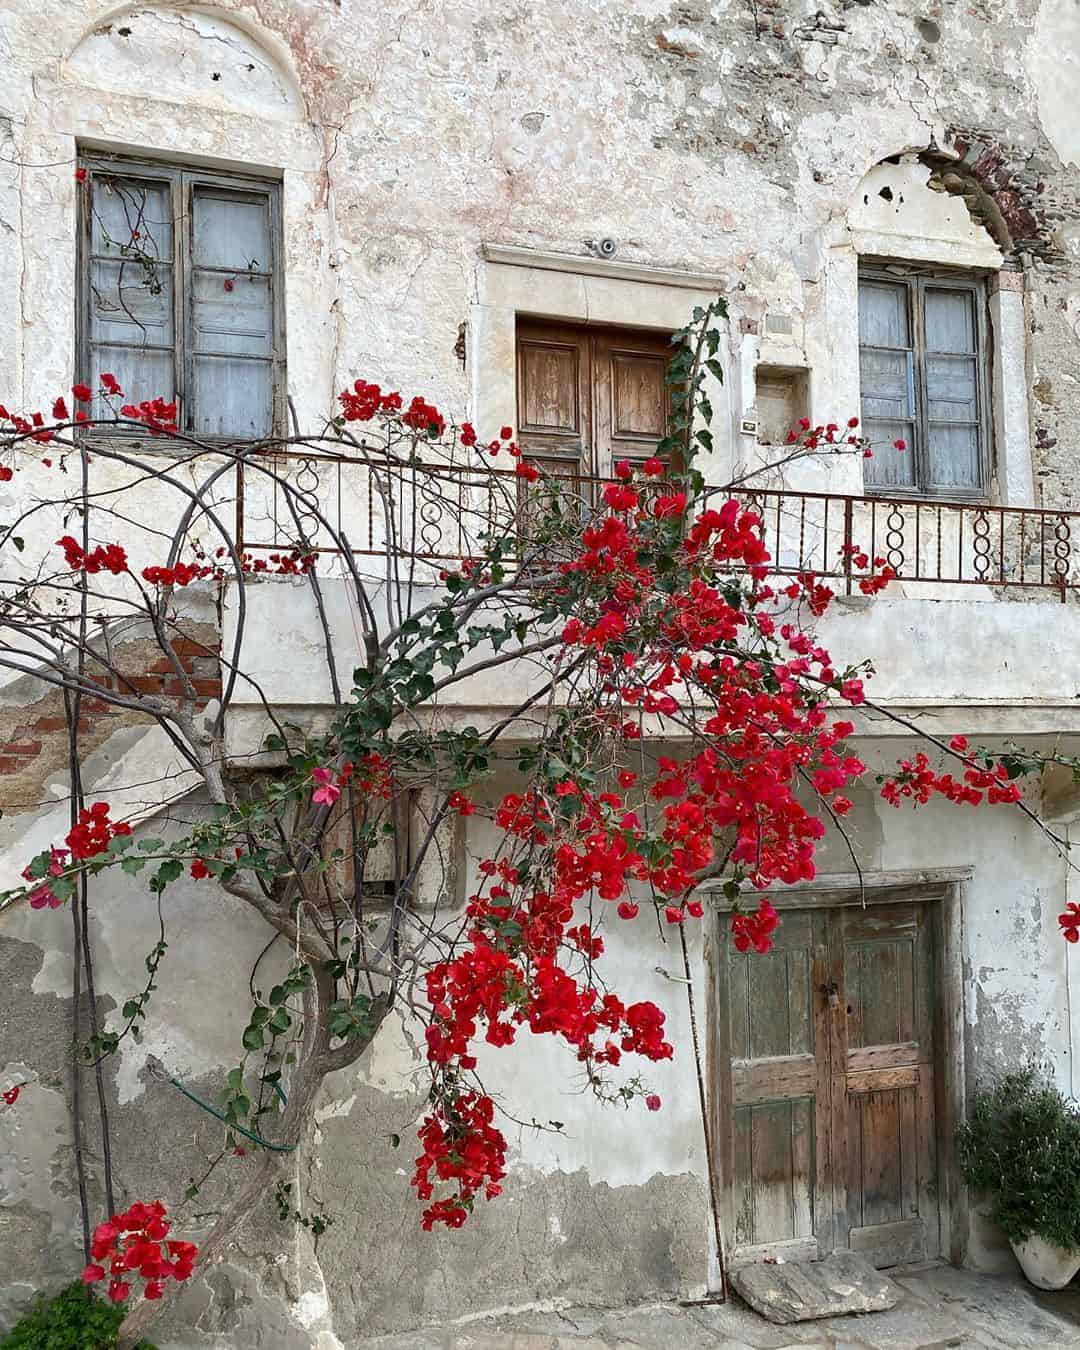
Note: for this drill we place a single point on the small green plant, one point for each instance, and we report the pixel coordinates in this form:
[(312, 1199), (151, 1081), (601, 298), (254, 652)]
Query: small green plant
[(74, 1319), (1020, 1147)]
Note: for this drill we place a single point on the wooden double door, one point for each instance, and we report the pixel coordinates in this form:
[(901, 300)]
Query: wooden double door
[(828, 1074), (589, 397)]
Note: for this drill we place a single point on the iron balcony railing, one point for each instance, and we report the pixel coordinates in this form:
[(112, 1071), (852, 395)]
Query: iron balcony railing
[(439, 514)]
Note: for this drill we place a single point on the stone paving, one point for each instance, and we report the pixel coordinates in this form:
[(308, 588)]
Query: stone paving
[(941, 1309)]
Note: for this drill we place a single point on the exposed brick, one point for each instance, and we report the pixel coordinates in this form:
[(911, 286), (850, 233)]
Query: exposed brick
[(208, 688), (9, 764), (185, 647), (21, 748), (147, 684), (50, 724)]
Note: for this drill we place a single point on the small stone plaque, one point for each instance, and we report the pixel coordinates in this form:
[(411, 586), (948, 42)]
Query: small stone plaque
[(802, 1291)]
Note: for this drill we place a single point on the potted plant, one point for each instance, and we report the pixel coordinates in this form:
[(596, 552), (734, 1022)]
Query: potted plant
[(1021, 1148)]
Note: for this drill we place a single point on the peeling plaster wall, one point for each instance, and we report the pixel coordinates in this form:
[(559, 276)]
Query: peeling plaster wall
[(731, 139)]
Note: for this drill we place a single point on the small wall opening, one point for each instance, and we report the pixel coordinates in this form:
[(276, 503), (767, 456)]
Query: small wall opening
[(782, 398)]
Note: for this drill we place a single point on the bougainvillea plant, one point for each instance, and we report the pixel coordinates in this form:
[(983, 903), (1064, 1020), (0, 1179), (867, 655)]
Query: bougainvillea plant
[(678, 721)]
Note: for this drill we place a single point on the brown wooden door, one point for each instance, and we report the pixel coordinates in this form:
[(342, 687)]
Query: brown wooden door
[(588, 397), (826, 1074), (780, 1091), (883, 1084)]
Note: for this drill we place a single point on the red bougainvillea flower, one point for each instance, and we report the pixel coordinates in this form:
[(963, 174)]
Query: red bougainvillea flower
[(91, 834), (103, 558), (755, 930), (134, 1244), (11, 1096), (83, 392), (80, 174), (199, 869), (327, 792), (653, 1102), (1070, 922), (109, 385)]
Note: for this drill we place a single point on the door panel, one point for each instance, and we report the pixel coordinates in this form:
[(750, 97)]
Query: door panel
[(774, 1177), (829, 1074), (554, 398), (888, 1069), (776, 1090)]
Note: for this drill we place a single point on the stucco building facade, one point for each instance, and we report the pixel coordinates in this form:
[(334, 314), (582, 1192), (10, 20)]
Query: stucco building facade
[(888, 195)]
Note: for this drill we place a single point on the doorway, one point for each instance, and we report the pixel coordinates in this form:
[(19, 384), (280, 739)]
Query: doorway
[(836, 1079)]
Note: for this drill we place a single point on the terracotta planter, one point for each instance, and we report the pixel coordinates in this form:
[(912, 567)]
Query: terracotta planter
[(1046, 1266)]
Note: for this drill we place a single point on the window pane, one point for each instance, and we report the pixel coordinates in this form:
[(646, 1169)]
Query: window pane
[(231, 230), (232, 397), (950, 321), (233, 316), (951, 383), (952, 389), (887, 385), (889, 467), (883, 314), (131, 303), (132, 217), (140, 374), (954, 456)]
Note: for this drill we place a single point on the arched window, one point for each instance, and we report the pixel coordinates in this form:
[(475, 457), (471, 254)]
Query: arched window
[(940, 335)]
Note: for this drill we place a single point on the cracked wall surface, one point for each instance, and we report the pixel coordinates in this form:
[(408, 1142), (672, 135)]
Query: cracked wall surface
[(735, 139)]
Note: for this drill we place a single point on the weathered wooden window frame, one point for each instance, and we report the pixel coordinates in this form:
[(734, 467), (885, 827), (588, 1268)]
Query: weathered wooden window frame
[(916, 281), (183, 181), (942, 888)]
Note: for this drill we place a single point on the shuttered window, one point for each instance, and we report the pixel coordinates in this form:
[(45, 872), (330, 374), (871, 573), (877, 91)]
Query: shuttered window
[(922, 369), (181, 294)]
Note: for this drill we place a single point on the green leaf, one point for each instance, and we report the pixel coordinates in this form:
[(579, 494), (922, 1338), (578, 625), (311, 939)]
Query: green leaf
[(235, 1079), (260, 1016), (278, 995), (252, 1038), (169, 870), (133, 866), (280, 1022)]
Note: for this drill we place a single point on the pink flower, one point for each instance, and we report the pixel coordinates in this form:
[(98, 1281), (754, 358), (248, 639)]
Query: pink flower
[(652, 1101), (327, 791)]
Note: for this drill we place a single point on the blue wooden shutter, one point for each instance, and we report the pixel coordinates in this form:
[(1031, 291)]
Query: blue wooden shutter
[(232, 314), (954, 451), (887, 381), (131, 287)]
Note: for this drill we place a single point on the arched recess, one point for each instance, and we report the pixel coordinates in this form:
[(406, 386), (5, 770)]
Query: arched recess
[(925, 210), (192, 55)]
